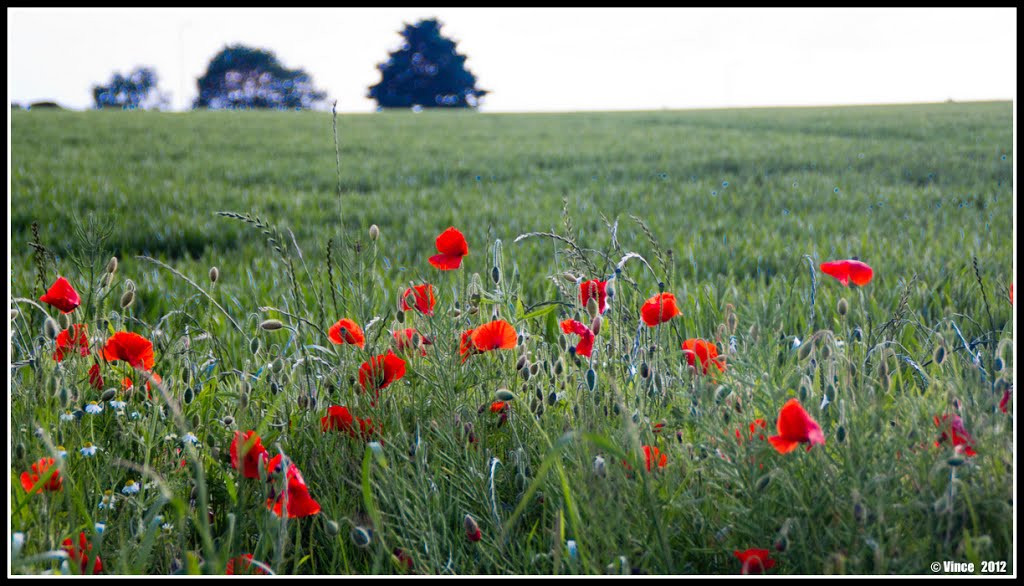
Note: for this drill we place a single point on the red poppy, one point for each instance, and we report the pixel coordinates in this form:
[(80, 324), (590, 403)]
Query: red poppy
[(1011, 293), (131, 348), (499, 407), (41, 469), (495, 335), (80, 553), (466, 347), (594, 289), (473, 533), (422, 296), (346, 331), (95, 378), (381, 371), (62, 296), (654, 456), (659, 309), (795, 427), (247, 457), (404, 340), (1006, 399), (340, 419), (245, 565), (77, 337), (758, 424), (848, 270), (952, 425), (452, 246), (586, 344), (707, 352), (403, 558), (299, 503), (755, 561)]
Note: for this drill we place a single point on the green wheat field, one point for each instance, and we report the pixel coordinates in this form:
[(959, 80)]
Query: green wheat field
[(625, 461)]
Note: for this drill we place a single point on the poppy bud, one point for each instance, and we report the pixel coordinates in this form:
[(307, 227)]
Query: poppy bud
[(521, 363), (592, 307), (842, 307), (112, 265), (609, 290), (525, 374), (940, 355), (14, 314), (858, 334), (271, 325), (645, 370), (805, 351), (732, 321), (108, 395), (591, 379), (214, 274), (997, 365), (762, 482), (254, 345), (495, 275), (189, 395), (841, 434), (400, 316), (64, 320), (781, 544), (826, 351), (332, 528), (243, 400), (108, 278), (595, 326), (472, 529), (552, 398), (128, 299), (228, 421), (50, 328), (374, 232), (360, 536), (559, 366), (504, 395)]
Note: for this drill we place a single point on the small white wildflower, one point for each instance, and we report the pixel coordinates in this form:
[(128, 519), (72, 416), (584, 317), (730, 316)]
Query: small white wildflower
[(796, 342), (167, 527), (93, 408), (130, 487), (62, 452), (135, 415), (571, 546), (67, 416), (191, 438), (150, 485), (118, 404), (88, 449), (17, 542), (108, 500), (100, 527)]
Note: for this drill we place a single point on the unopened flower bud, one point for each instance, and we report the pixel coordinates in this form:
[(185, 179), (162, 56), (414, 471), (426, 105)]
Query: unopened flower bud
[(271, 325), (214, 274), (374, 232)]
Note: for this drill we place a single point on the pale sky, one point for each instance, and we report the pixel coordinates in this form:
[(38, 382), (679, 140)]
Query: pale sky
[(546, 59)]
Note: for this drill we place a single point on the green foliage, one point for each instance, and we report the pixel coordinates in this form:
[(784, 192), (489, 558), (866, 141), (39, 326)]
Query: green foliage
[(722, 207)]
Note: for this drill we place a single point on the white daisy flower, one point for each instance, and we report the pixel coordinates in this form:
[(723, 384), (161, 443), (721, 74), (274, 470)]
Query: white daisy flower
[(67, 416), (108, 500), (93, 408), (796, 342), (118, 404), (130, 487), (135, 415), (167, 527), (88, 449), (191, 438), (62, 452), (100, 527)]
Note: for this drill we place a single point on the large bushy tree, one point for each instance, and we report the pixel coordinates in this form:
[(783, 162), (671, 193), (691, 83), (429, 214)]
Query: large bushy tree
[(427, 72), (135, 90), (245, 77)]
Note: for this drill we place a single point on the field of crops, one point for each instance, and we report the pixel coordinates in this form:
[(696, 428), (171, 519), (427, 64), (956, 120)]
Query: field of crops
[(514, 448)]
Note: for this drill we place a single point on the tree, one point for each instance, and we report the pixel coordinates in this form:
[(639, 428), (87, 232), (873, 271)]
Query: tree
[(427, 72), (136, 90), (244, 77)]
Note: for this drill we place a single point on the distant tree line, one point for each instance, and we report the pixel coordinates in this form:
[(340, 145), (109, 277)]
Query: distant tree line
[(424, 72)]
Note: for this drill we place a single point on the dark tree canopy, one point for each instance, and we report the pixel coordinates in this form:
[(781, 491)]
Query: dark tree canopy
[(427, 72), (244, 77), (135, 90)]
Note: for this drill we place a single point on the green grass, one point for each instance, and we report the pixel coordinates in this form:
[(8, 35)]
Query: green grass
[(733, 210)]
